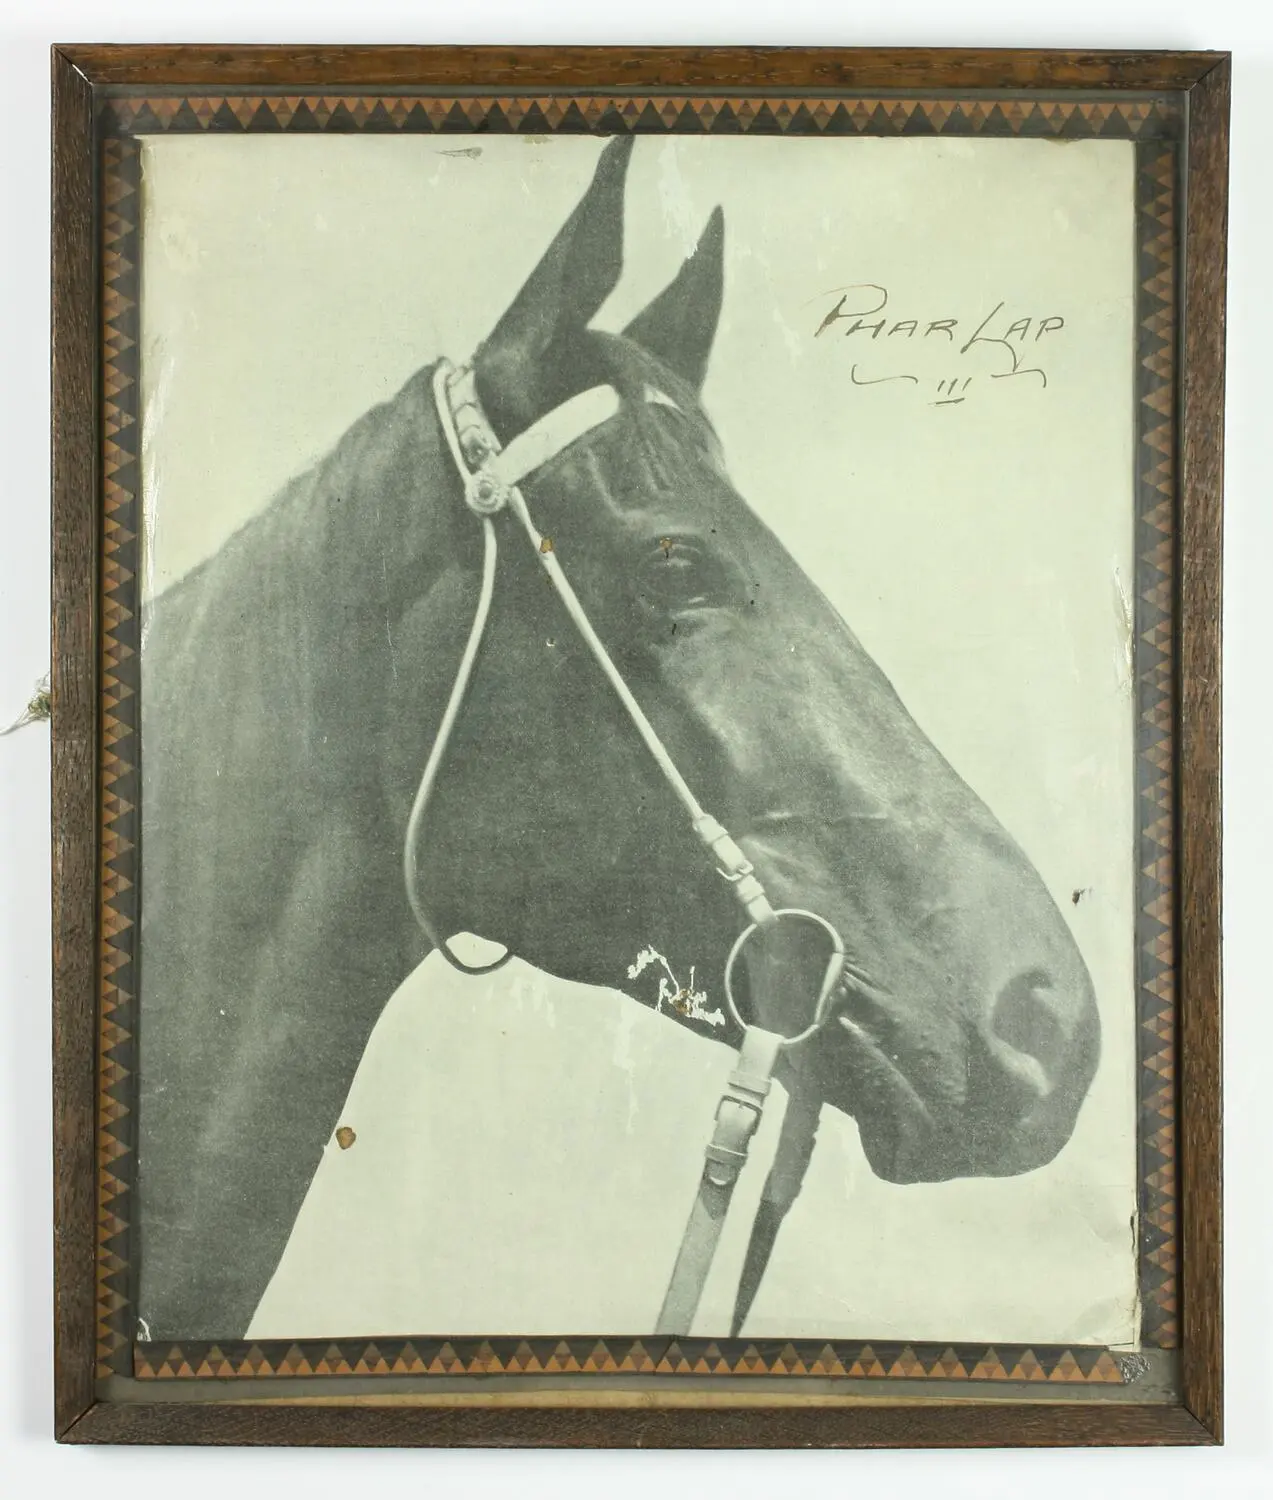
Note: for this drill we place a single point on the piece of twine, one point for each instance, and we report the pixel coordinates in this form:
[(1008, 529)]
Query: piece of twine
[(39, 706)]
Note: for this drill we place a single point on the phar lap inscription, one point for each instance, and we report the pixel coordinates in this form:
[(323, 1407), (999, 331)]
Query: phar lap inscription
[(860, 313)]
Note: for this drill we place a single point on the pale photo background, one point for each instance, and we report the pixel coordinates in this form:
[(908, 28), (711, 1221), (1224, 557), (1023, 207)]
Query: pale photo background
[(982, 552)]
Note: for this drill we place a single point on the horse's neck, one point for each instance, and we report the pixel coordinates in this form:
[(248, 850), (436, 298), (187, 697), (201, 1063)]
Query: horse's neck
[(274, 916), (264, 671), (308, 592), (368, 525)]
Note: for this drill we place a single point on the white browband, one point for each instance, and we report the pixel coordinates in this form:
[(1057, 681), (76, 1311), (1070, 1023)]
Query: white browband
[(554, 433)]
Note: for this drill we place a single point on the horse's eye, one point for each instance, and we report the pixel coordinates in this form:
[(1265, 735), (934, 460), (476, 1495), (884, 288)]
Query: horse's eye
[(680, 576)]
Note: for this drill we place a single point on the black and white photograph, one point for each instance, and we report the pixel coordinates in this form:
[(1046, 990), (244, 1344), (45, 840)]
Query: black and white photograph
[(638, 738)]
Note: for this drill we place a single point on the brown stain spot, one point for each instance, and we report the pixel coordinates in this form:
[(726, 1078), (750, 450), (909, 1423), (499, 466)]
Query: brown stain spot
[(345, 1137), (665, 542), (681, 1003), (546, 544)]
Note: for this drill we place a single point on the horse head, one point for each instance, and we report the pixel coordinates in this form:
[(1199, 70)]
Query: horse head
[(963, 1034)]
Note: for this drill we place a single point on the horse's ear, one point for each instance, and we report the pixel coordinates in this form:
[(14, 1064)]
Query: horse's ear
[(578, 272), (679, 326)]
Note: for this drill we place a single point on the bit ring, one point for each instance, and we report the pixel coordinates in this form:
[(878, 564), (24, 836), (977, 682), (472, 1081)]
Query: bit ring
[(835, 968)]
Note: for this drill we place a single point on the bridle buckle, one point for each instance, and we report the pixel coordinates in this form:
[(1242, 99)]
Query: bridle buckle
[(484, 494)]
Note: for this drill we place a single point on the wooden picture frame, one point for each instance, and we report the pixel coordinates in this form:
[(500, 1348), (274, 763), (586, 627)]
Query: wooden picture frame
[(890, 1398)]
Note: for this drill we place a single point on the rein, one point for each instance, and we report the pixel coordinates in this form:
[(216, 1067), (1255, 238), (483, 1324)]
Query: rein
[(491, 476)]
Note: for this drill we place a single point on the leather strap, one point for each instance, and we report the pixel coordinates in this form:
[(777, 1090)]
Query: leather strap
[(782, 1187), (737, 1119), (491, 475), (554, 433)]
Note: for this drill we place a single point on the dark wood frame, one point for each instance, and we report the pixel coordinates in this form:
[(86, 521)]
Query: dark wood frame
[(80, 1415)]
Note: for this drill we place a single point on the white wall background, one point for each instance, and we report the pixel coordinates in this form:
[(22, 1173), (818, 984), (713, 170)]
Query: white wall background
[(1246, 1466)]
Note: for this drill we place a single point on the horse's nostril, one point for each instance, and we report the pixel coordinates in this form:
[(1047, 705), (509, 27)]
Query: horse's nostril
[(1026, 1033)]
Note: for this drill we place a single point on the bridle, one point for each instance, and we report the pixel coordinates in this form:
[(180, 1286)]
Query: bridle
[(491, 475)]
